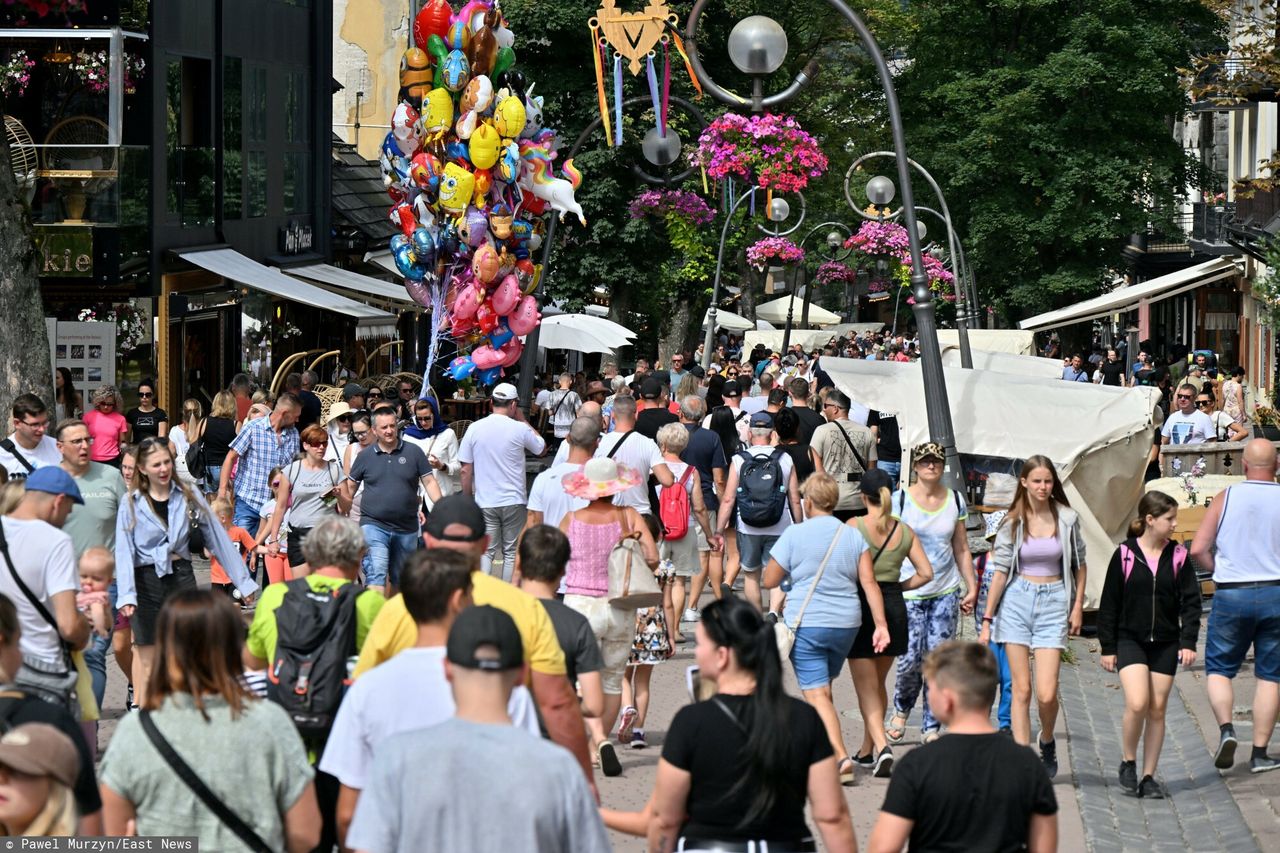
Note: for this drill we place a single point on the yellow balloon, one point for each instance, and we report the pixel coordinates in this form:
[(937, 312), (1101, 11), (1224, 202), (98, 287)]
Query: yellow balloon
[(438, 112), (510, 117), (456, 187), (484, 146)]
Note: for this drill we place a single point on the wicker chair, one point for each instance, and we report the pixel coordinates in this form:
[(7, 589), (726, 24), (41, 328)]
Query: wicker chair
[(328, 394), (460, 429)]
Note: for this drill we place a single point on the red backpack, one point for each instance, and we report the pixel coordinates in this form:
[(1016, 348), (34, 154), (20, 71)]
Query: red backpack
[(673, 508), (1127, 560)]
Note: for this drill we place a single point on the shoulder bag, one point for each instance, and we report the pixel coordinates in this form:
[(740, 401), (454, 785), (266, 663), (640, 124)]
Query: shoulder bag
[(8, 445), (229, 818), (35, 602), (631, 590), (786, 637)]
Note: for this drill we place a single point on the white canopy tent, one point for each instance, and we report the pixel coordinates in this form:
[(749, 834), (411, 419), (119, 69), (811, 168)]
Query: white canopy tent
[(728, 321), (583, 333), (1128, 298), (1003, 362), (776, 312), (1100, 457), (1014, 341)]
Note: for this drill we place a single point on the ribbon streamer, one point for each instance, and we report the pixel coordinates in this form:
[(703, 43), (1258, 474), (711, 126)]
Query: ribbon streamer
[(666, 84), (688, 66), (617, 98), (600, 93), (652, 76)]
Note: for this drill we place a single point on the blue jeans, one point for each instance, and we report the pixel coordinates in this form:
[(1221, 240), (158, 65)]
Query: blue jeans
[(95, 659), (893, 469), (1243, 617), (819, 654), (212, 476), (387, 552), (245, 516), (1006, 685)]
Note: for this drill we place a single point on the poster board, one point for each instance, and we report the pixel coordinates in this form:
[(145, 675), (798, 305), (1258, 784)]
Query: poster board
[(88, 350)]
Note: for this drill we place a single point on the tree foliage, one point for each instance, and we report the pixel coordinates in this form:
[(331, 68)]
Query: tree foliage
[(1048, 123)]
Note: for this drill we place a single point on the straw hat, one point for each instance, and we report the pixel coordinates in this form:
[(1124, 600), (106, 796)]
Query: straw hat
[(337, 410), (600, 478)]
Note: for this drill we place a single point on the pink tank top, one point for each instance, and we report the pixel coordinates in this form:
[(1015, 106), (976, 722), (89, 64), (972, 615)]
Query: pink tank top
[(588, 570), (1040, 558)]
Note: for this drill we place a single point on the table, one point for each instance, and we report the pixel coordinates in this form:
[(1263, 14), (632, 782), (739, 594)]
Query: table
[(471, 409)]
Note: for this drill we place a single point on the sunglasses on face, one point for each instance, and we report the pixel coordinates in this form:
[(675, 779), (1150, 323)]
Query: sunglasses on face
[(421, 418), (346, 418), (373, 396), (359, 433), (146, 395), (1204, 403), (1184, 396)]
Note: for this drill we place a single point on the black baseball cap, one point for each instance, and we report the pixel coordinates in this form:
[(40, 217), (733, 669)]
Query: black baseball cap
[(484, 626), (452, 511), (731, 389), (352, 389), (875, 480), (650, 388), (697, 371)]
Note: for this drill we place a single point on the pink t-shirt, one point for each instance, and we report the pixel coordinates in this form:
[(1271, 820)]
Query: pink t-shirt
[(106, 431)]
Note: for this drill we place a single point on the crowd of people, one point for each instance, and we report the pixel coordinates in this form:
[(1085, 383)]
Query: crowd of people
[(408, 630)]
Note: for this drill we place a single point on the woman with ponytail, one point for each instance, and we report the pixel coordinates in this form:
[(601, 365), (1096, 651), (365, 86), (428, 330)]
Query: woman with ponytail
[(1037, 588), (891, 544), (1148, 623), (736, 769)]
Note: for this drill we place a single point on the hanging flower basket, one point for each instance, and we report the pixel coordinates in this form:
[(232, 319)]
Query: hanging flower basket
[(771, 151), (877, 245), (778, 249), (876, 239), (16, 73), (658, 203), (93, 69), (835, 273)]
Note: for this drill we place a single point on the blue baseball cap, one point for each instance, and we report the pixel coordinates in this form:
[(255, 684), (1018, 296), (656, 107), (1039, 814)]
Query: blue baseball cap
[(55, 481), (761, 420)]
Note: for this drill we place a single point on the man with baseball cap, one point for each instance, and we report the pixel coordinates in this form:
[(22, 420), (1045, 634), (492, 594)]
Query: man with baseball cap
[(656, 397), (36, 551), (732, 393), (492, 456), (353, 395), (432, 789), (458, 523)]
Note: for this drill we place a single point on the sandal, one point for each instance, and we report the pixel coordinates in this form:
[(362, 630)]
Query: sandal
[(896, 731), (846, 770), (930, 736)]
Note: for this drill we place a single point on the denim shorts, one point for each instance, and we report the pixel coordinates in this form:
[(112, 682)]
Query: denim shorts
[(1032, 615), (753, 550), (819, 654), (1240, 618)]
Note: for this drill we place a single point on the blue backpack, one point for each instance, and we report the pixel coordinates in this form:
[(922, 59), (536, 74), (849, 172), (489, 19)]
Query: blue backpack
[(762, 490)]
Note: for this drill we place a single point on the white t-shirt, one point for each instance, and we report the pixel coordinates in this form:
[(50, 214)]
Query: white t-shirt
[(46, 453), (542, 397), (639, 452), (783, 523), (495, 446), (407, 692), (1195, 428), (1221, 425), (754, 404), (742, 418), (45, 560), (548, 496)]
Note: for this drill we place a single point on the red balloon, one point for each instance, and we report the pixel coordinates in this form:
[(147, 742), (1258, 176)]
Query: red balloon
[(486, 318), (533, 204), (433, 19)]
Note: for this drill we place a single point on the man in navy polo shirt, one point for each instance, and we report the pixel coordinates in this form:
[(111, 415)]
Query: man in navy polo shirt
[(391, 471)]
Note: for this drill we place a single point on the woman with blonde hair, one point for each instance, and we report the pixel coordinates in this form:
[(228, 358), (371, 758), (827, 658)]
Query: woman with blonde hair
[(828, 565), (245, 750), (38, 769), (1037, 596), (218, 433), (188, 431), (154, 530), (107, 426), (892, 544)]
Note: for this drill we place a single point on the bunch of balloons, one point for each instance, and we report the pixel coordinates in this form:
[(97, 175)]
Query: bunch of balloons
[(470, 171)]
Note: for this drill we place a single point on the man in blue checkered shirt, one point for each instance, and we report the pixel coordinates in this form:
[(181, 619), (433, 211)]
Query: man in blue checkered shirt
[(263, 444)]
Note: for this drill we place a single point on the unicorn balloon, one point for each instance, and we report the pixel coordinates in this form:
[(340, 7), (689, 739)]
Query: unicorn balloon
[(536, 176)]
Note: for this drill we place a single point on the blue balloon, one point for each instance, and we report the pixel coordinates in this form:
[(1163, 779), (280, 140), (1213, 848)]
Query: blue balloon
[(424, 246), (490, 376), (460, 368), (458, 151), (407, 263), (398, 241), (501, 335)]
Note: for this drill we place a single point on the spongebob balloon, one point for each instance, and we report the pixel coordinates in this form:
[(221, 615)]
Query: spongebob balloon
[(437, 113), (456, 188)]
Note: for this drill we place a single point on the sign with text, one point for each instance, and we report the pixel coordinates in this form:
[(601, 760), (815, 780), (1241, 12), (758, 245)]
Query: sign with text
[(65, 252), (88, 351), (295, 238)]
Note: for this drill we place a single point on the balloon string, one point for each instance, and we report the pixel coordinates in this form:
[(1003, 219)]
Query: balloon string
[(688, 66), (666, 84), (652, 75), (600, 93), (703, 169), (617, 98)]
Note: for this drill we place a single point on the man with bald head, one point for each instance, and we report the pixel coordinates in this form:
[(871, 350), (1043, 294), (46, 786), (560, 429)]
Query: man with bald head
[(1239, 541), (548, 501)]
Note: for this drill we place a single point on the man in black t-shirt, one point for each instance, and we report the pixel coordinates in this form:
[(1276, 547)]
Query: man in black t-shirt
[(888, 443), (975, 789), (656, 414), (810, 419)]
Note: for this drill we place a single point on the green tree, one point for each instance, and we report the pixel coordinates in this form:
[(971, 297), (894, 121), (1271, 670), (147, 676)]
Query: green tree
[(1048, 123)]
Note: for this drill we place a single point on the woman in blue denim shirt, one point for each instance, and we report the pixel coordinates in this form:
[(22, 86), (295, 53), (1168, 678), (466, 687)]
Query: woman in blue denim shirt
[(153, 549)]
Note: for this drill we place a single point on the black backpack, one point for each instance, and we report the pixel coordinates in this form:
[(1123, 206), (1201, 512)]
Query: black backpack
[(316, 634), (762, 490)]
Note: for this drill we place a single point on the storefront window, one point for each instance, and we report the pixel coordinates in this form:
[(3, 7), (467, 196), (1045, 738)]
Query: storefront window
[(256, 167), (297, 182), (232, 117)]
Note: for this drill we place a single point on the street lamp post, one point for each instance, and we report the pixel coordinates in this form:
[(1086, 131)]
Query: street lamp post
[(937, 405), (880, 192), (709, 344)]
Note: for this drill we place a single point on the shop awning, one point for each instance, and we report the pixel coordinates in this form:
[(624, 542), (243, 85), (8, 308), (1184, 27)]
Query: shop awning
[(230, 264), (355, 282), (1128, 298), (382, 258)]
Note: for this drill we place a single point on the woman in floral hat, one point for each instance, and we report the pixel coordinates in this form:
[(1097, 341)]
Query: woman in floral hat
[(593, 531)]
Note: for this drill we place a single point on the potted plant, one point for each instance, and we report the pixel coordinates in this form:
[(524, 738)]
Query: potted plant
[(778, 249), (1266, 423)]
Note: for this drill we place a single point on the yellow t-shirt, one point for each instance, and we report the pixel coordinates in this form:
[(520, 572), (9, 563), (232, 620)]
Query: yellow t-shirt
[(394, 629)]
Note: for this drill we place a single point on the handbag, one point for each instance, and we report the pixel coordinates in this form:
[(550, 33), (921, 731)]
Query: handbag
[(229, 818), (631, 590), (785, 636), (195, 533)]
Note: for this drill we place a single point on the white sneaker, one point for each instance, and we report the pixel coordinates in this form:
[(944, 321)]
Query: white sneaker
[(691, 615)]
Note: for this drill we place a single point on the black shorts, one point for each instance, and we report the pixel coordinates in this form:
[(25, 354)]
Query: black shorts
[(152, 592), (297, 535), (895, 614), (1157, 657)]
